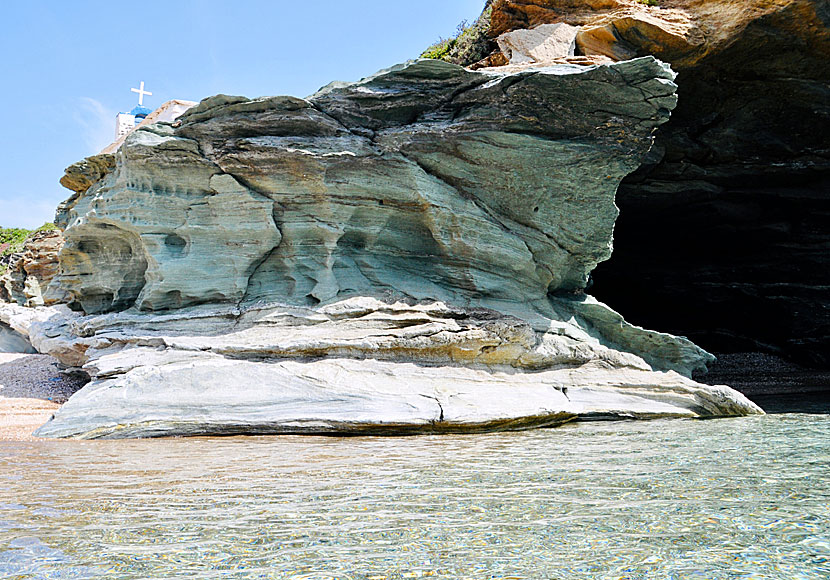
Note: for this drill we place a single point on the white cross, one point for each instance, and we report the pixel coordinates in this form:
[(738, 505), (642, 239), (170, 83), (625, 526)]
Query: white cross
[(141, 92)]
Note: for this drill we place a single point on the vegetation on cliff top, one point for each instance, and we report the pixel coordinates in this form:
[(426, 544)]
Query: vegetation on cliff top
[(472, 42), (13, 239), (469, 45)]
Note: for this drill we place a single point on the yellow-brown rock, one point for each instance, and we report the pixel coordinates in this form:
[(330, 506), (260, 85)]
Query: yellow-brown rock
[(510, 15), (80, 176), (31, 270), (682, 32)]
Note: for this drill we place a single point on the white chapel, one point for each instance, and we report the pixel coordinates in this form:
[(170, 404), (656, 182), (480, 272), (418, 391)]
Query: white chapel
[(126, 123)]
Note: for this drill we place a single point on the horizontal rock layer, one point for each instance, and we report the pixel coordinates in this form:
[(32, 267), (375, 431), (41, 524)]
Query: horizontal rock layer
[(355, 366), (407, 252)]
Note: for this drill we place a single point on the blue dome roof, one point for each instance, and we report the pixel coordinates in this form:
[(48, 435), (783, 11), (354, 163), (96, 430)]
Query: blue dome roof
[(140, 111)]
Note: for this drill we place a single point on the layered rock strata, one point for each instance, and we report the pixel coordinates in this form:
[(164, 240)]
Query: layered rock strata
[(29, 272), (404, 253), (736, 187)]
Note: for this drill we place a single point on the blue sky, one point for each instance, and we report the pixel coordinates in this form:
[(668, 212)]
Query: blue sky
[(68, 68)]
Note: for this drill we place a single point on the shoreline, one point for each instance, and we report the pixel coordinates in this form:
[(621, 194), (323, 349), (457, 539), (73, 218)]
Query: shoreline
[(32, 388), (757, 374)]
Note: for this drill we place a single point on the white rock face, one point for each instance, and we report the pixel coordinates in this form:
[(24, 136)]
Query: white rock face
[(404, 253), (209, 394), (544, 43)]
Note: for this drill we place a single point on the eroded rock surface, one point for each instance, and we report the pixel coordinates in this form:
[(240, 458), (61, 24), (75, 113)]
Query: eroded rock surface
[(427, 179), (408, 252)]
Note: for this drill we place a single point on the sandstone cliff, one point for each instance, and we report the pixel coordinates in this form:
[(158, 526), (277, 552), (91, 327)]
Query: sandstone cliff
[(29, 272), (736, 188), (404, 253)]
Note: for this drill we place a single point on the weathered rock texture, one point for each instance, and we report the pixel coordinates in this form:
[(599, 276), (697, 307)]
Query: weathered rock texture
[(403, 253), (723, 233), (427, 179), (29, 272)]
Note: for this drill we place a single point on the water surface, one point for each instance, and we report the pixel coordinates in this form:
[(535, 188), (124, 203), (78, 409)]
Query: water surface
[(732, 498)]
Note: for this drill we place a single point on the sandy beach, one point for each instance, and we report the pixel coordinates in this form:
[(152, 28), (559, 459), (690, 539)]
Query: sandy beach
[(31, 389)]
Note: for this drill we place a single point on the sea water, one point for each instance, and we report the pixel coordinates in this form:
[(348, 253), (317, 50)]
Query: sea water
[(669, 499)]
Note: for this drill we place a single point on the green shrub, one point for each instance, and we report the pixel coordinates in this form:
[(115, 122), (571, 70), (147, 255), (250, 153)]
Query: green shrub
[(469, 45), (47, 227), (439, 50), (16, 237)]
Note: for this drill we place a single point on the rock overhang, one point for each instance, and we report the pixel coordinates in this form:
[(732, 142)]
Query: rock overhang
[(424, 234), (453, 155)]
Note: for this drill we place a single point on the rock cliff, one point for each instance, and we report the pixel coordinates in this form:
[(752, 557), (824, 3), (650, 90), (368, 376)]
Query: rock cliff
[(404, 253), (736, 187), (29, 272)]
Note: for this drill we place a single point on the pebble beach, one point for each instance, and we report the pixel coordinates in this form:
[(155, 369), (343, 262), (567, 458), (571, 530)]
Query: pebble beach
[(31, 389)]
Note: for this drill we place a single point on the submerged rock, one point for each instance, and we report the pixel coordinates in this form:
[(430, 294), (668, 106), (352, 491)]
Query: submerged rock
[(404, 253)]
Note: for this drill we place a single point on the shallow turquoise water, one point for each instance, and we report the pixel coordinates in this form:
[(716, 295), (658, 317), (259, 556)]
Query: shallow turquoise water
[(732, 498)]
